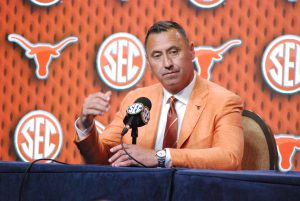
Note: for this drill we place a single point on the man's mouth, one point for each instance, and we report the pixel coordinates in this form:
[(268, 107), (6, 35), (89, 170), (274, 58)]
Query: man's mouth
[(169, 73)]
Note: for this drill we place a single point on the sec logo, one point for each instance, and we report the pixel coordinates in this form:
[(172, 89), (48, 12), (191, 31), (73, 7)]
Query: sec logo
[(121, 61), (38, 135), (45, 2), (206, 3), (281, 64), (135, 108)]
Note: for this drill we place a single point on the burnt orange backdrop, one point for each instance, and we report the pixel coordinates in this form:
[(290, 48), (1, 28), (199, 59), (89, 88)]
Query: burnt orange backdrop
[(73, 75)]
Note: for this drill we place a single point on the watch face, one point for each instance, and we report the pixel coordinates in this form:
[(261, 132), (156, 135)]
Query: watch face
[(161, 153)]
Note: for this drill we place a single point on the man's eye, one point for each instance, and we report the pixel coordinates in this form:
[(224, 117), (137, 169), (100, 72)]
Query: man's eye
[(173, 52), (156, 56)]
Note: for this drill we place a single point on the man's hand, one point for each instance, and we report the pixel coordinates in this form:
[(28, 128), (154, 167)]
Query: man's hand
[(95, 104), (141, 154)]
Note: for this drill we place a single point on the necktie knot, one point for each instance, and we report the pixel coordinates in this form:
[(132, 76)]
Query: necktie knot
[(172, 100)]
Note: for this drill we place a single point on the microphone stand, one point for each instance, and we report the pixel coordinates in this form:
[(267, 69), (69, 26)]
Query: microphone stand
[(134, 134)]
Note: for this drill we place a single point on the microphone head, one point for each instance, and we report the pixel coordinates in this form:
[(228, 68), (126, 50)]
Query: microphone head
[(145, 101), (138, 114)]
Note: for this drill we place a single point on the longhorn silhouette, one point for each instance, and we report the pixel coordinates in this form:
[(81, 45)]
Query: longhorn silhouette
[(287, 146), (206, 56), (42, 53)]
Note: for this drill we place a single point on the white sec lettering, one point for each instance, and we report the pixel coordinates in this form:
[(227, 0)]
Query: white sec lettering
[(297, 68), (37, 137), (121, 61), (49, 130), (278, 72), (111, 68), (28, 147), (288, 64), (132, 70)]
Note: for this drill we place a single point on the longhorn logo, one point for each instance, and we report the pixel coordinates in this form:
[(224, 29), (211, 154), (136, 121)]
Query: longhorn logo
[(42, 53), (287, 146), (205, 56)]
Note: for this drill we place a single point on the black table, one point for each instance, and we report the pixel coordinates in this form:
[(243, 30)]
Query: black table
[(55, 182)]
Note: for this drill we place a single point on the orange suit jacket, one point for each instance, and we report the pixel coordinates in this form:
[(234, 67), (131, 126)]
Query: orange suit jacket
[(211, 135)]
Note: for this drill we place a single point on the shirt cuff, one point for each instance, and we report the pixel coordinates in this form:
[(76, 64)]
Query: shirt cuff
[(168, 162), (82, 134)]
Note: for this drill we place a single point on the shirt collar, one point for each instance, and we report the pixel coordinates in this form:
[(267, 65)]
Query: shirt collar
[(183, 95)]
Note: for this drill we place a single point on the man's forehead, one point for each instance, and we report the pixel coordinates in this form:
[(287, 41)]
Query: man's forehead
[(164, 39)]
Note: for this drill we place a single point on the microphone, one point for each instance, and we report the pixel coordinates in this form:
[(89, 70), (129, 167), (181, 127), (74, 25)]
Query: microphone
[(138, 114)]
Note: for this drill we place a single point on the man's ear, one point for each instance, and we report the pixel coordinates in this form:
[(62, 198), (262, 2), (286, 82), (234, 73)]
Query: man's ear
[(147, 58), (192, 50)]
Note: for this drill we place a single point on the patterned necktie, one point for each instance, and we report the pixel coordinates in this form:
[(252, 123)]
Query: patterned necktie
[(170, 138)]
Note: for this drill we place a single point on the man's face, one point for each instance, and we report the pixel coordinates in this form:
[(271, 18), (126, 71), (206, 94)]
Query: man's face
[(170, 57)]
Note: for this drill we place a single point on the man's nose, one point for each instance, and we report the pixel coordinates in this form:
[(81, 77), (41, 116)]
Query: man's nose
[(167, 62)]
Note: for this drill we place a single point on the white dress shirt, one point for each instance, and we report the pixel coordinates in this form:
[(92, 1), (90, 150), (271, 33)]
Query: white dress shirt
[(180, 106)]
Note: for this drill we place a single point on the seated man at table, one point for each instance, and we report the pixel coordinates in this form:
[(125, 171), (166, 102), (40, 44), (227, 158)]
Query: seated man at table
[(206, 130)]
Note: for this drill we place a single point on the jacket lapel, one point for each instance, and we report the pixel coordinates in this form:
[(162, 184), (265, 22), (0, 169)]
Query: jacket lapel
[(150, 134), (193, 110)]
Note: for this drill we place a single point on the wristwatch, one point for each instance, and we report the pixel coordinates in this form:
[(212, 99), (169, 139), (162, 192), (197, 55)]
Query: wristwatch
[(161, 158)]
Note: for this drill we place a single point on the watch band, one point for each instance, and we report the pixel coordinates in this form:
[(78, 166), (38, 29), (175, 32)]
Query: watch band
[(161, 158), (161, 163)]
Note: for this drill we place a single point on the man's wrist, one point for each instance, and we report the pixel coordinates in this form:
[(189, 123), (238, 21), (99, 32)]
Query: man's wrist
[(82, 134), (85, 122)]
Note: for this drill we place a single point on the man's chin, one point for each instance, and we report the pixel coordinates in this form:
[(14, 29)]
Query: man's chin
[(170, 82), (171, 87)]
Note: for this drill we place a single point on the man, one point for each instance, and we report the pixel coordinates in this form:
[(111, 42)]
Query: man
[(207, 117)]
